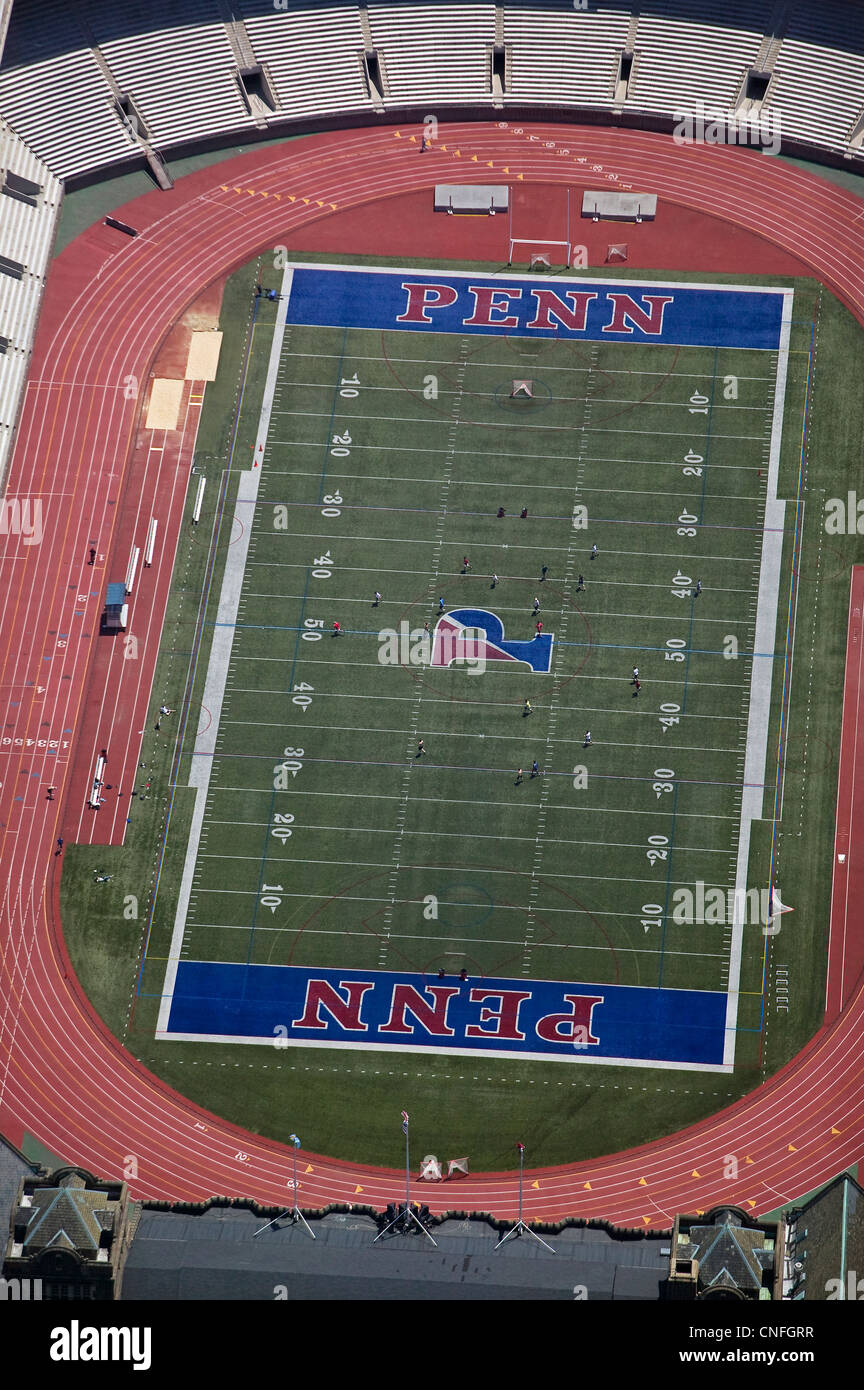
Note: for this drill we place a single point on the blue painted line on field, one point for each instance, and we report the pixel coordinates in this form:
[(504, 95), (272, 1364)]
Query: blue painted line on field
[(595, 646)]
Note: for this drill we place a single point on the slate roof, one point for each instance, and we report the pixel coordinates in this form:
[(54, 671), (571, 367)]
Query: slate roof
[(729, 1254), (70, 1216)]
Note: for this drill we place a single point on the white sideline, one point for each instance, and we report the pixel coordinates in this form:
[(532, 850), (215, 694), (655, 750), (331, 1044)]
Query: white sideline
[(761, 678), (220, 656)]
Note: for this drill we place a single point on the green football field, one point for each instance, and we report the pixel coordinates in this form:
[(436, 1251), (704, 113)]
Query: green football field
[(357, 853), (328, 839)]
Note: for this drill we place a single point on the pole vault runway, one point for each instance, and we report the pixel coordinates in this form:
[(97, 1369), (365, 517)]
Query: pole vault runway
[(110, 303)]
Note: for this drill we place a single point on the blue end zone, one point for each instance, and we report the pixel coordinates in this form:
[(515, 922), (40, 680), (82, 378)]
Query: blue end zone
[(592, 310), (530, 1018)]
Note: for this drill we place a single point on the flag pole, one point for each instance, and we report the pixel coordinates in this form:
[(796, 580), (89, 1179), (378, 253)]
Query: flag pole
[(406, 1215), (407, 1161), (294, 1212), (521, 1177), (522, 1228)]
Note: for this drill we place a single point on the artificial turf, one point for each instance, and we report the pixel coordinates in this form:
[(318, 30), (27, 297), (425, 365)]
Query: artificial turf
[(377, 832)]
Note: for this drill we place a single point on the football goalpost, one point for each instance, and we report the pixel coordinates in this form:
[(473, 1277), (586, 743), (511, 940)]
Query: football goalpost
[(540, 253)]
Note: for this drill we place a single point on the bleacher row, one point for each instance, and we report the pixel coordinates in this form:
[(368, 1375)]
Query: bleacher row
[(84, 86), (29, 203), (68, 65)]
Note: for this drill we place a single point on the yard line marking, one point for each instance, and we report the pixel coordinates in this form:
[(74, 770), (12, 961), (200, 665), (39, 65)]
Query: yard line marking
[(374, 360), (504, 610), (500, 704), (510, 578), (444, 393), (452, 733), (510, 674), (482, 940), (552, 714), (424, 421), (547, 879), (399, 902), (366, 763), (533, 457), (334, 536), (460, 801), (486, 483), (368, 508)]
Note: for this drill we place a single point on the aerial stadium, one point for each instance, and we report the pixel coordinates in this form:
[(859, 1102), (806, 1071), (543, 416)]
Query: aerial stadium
[(432, 619)]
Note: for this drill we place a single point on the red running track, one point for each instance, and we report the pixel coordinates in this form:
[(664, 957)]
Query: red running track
[(110, 303)]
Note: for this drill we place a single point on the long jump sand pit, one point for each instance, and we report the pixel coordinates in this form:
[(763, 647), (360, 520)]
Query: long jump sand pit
[(164, 407), (203, 359)]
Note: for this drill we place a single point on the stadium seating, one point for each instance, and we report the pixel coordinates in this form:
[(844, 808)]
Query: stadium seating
[(87, 86), (181, 76), (312, 56), (434, 52), (818, 83), (681, 61), (29, 205), (63, 109), (563, 55), (182, 67)]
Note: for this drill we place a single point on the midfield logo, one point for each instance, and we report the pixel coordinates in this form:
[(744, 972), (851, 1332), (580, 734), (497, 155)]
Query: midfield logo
[(484, 631), (467, 637)]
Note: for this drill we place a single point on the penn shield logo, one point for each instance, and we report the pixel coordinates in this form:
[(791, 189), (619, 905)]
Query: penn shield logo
[(474, 634)]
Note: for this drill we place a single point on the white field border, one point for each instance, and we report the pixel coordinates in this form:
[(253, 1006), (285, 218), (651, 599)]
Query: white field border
[(759, 708), (761, 679), (398, 1048), (220, 656)]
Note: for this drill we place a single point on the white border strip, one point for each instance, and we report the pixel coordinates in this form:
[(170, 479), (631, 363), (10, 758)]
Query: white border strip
[(220, 655), (761, 678), (476, 1053)]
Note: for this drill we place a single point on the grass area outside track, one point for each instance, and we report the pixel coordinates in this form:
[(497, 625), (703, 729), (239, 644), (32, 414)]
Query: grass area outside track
[(588, 904)]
